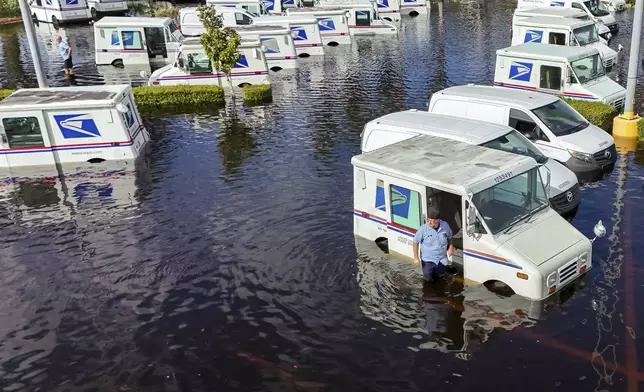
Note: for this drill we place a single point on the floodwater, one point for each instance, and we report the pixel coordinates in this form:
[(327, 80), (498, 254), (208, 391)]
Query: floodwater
[(226, 261)]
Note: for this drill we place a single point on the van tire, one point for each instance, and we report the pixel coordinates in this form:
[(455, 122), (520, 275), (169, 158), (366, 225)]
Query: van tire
[(276, 68), (303, 55), (333, 43), (54, 21), (414, 13), (244, 85), (383, 244), (117, 63), (95, 160), (94, 13), (499, 288)]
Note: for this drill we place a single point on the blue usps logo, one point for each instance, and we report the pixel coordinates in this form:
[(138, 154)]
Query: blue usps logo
[(520, 71), (75, 126)]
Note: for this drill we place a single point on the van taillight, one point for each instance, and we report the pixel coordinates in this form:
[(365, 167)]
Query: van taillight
[(179, 27)]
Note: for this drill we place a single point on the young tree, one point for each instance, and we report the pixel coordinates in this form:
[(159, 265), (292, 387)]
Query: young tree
[(220, 44)]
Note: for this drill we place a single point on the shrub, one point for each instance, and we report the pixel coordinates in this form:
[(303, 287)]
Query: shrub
[(257, 93), (640, 129), (5, 92), (9, 8), (169, 12), (162, 98), (597, 113)]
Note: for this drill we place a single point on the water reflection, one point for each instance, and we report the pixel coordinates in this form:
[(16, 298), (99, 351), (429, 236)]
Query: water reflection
[(56, 195), (447, 315)]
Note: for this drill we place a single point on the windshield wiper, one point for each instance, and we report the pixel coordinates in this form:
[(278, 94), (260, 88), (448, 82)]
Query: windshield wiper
[(526, 217), (512, 225)]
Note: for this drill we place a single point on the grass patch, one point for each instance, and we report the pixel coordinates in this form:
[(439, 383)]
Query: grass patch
[(257, 93), (5, 92), (178, 98), (597, 113)]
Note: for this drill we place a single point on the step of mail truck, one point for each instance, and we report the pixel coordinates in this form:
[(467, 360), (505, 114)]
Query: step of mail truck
[(557, 129), (279, 45), (558, 12), (193, 67), (594, 8), (495, 203), (136, 40), (304, 29), (563, 192), (572, 71), (332, 22), (364, 17), (49, 126), (562, 31)]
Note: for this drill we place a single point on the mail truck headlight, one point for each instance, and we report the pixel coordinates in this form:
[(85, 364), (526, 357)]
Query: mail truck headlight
[(582, 156), (552, 279)]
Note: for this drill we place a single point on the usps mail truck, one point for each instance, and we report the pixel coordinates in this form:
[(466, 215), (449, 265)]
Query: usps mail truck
[(136, 41), (48, 126), (332, 22), (364, 17), (278, 44), (558, 12), (99, 8), (572, 71), (59, 11), (595, 9), (563, 31), (304, 29), (193, 67)]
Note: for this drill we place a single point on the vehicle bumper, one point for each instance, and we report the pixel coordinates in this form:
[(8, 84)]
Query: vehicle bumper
[(586, 171), (614, 28), (567, 202)]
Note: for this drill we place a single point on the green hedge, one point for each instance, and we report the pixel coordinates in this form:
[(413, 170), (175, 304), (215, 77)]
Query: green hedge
[(169, 98), (257, 93), (597, 113), (162, 98), (9, 8)]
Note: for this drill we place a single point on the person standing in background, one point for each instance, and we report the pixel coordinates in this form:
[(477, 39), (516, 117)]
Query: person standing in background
[(66, 53)]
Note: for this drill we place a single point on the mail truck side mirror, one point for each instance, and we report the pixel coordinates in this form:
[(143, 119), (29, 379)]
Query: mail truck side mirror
[(470, 220)]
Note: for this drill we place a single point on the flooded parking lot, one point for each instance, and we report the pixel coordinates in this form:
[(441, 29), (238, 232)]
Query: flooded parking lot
[(227, 260)]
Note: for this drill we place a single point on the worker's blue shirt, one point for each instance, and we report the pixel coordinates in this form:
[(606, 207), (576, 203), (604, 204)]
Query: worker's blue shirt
[(64, 50), (433, 242)]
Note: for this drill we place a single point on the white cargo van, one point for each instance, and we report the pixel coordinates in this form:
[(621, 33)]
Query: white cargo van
[(279, 46), (574, 72), (568, 13), (193, 67), (332, 22), (59, 11), (562, 31), (136, 40), (364, 17), (304, 29), (564, 193), (100, 8), (595, 9), (494, 201), (48, 126), (550, 123)]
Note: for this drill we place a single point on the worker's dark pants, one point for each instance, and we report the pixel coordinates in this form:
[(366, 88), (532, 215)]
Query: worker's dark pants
[(432, 271)]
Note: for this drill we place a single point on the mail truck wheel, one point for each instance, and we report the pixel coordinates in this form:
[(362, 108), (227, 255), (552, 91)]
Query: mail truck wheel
[(413, 13), (54, 21), (333, 43), (499, 288), (94, 13)]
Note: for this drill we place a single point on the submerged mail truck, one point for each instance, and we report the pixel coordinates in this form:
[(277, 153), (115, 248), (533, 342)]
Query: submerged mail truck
[(364, 17), (332, 22), (558, 12), (574, 72), (278, 44), (48, 126), (494, 201), (59, 11), (564, 193), (136, 40), (193, 67), (562, 31), (594, 8), (304, 29)]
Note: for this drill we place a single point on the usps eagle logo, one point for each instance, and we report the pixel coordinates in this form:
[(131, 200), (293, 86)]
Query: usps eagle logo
[(520, 71), (74, 126)]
